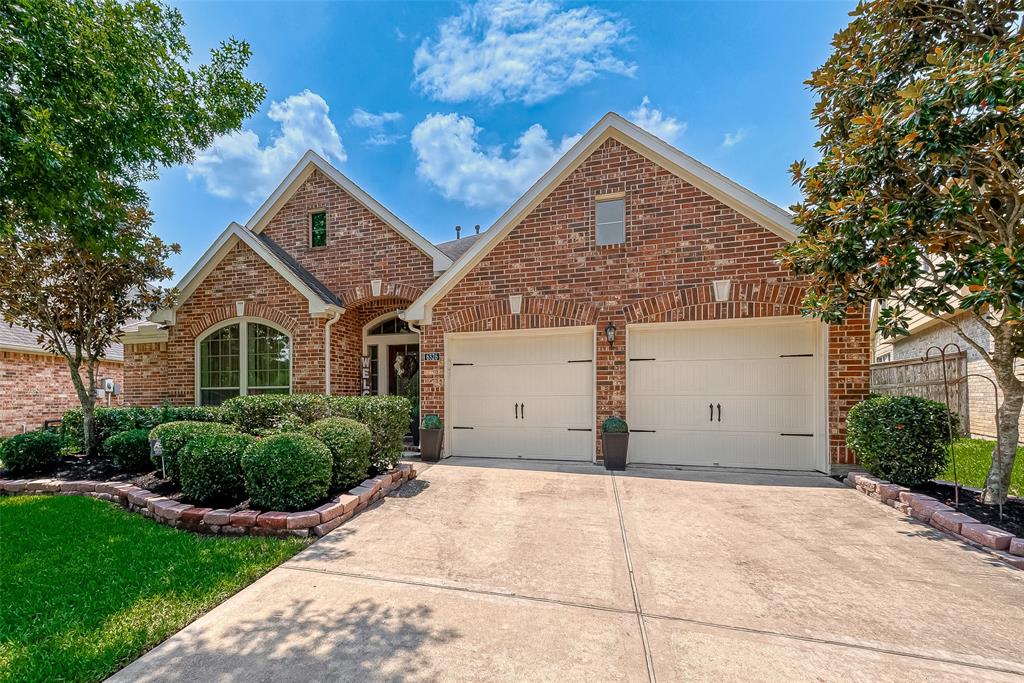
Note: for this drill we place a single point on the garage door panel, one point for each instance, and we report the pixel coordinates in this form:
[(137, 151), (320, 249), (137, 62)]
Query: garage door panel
[(763, 377), (519, 395)]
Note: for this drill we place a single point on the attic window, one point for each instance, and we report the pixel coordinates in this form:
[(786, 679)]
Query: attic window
[(318, 229), (611, 221)]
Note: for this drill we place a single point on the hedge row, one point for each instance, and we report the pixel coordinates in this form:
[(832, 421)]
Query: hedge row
[(108, 422)]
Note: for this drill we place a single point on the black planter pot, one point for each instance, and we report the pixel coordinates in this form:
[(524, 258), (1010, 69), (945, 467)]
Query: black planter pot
[(431, 442), (615, 446)]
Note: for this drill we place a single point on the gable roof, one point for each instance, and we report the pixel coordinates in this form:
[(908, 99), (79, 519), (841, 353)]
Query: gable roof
[(320, 298), (611, 126), (457, 247), (311, 161)]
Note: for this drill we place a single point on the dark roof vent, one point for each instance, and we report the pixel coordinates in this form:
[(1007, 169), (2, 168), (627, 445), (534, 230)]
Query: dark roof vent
[(458, 231), (476, 228)]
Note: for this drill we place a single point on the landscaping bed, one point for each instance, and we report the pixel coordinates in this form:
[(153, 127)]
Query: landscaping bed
[(88, 587), (1013, 509)]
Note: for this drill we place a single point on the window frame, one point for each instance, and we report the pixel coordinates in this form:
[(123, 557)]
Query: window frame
[(309, 223), (243, 353), (607, 198)]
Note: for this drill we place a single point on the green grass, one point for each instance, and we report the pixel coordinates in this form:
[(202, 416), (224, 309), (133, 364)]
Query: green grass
[(973, 459), (86, 587)]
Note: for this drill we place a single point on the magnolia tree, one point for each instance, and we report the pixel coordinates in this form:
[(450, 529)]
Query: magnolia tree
[(78, 299), (918, 199), (96, 96)]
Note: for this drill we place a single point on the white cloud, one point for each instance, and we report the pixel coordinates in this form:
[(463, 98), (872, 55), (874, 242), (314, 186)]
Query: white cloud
[(449, 156), (527, 50), (237, 165), (655, 122), (732, 139), (364, 119), (382, 139)]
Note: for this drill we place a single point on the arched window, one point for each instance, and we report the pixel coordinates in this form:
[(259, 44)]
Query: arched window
[(390, 326), (242, 358)]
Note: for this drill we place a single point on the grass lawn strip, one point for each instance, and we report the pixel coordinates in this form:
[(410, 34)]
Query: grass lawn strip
[(973, 460), (89, 587)]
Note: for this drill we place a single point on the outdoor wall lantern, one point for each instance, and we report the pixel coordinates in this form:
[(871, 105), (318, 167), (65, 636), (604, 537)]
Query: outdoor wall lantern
[(609, 334)]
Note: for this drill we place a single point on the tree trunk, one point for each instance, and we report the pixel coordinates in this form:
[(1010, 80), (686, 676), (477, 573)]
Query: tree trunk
[(87, 399), (1003, 361)]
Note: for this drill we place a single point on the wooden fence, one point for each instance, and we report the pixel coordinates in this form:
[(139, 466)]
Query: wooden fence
[(920, 377)]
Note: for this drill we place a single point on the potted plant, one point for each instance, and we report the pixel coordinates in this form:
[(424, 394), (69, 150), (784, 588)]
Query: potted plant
[(614, 441), (431, 438)]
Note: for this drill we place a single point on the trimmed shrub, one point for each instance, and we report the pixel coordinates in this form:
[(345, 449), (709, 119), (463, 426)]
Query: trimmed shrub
[(349, 444), (614, 425), (902, 439), (30, 452), (287, 472), (111, 421), (270, 413), (174, 435), (210, 467), (129, 451), (387, 418)]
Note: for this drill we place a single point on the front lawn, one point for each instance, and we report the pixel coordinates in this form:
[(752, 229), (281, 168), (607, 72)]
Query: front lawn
[(87, 587), (973, 459)]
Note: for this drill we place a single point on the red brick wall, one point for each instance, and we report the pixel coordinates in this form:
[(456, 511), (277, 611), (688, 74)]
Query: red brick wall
[(241, 276), (36, 387), (360, 246), (678, 240)]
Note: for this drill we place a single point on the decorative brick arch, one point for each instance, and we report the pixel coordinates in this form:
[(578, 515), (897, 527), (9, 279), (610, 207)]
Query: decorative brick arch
[(537, 312), (252, 310), (757, 299), (361, 293)]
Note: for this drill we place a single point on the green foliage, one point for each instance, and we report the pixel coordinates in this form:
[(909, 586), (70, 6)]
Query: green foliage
[(30, 452), (903, 439), (387, 418), (210, 467), (129, 451), (173, 436), (105, 94), (432, 422), (973, 460), (349, 444), (111, 421), (614, 425), (270, 413), (93, 587), (287, 472)]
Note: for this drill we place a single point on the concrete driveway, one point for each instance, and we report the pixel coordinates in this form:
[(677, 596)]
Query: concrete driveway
[(523, 572)]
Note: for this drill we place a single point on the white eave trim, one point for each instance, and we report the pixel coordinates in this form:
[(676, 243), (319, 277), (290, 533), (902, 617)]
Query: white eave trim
[(614, 126), (298, 175), (233, 234)]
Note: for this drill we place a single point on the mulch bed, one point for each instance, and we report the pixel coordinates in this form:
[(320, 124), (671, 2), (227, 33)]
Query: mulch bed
[(970, 504)]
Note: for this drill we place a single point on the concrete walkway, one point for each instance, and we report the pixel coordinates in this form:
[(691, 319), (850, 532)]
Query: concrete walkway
[(484, 570)]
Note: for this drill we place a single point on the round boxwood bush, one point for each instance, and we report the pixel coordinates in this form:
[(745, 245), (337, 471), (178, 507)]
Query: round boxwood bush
[(174, 435), (30, 452), (287, 472), (614, 425), (210, 468), (129, 451), (903, 439), (349, 444)]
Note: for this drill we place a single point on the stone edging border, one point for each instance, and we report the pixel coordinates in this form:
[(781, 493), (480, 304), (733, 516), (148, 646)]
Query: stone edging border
[(329, 516), (1002, 544)]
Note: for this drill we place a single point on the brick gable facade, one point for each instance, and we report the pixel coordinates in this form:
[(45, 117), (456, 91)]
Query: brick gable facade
[(678, 240)]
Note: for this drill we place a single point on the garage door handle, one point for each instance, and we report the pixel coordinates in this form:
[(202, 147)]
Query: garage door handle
[(711, 412), (522, 410), (719, 412), (517, 410)]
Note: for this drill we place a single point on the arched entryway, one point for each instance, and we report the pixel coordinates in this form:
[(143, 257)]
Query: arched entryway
[(391, 352)]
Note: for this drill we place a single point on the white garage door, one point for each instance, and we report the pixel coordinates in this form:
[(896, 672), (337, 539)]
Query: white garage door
[(519, 395), (739, 395)]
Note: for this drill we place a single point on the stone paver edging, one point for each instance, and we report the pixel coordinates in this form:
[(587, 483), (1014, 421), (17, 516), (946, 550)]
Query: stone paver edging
[(1003, 544), (329, 516)]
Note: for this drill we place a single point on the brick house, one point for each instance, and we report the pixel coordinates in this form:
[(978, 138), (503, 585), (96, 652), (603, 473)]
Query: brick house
[(629, 280), (35, 385)]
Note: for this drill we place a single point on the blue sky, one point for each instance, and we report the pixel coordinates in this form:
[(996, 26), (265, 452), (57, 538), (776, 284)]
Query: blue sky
[(446, 112)]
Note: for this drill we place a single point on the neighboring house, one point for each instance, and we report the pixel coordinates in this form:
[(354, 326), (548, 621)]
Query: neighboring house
[(36, 385), (926, 333), (629, 280)]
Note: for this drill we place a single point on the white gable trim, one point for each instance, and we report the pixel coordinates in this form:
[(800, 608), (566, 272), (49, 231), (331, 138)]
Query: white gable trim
[(311, 161), (231, 236), (610, 126)]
